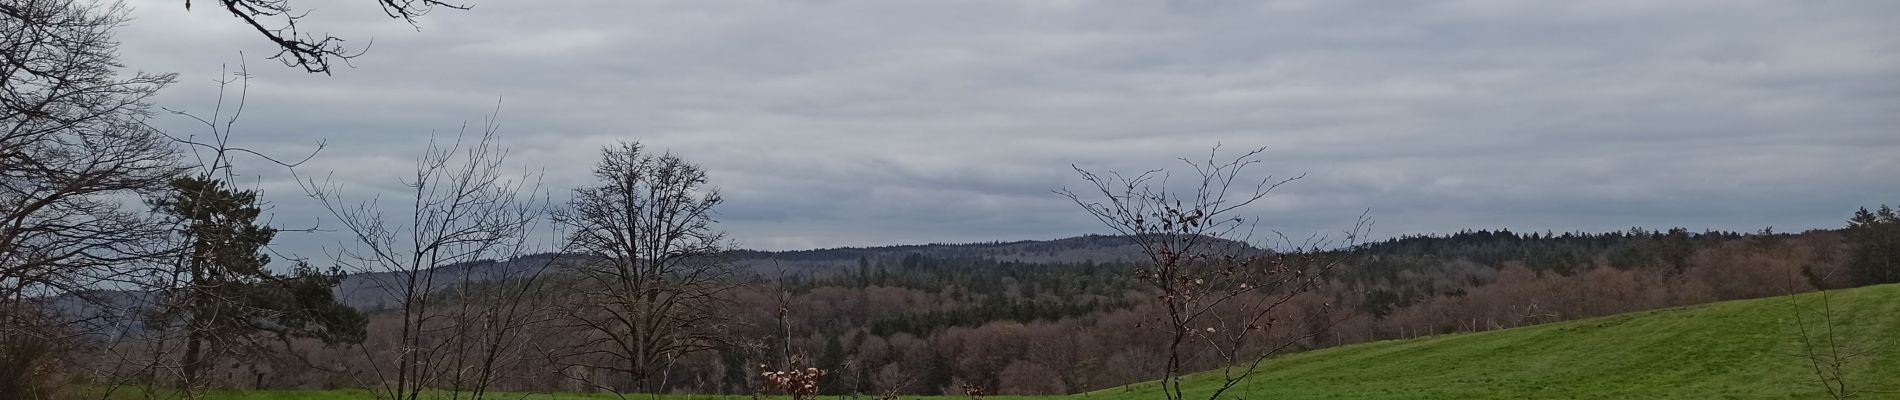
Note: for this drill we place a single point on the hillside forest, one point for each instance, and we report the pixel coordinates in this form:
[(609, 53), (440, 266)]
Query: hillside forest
[(934, 319)]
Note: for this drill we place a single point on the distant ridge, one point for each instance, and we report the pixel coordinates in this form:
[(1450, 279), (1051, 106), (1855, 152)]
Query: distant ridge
[(365, 290), (1087, 248), (361, 290)]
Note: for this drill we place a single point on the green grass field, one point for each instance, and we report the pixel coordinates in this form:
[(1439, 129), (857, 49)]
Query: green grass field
[(1731, 350)]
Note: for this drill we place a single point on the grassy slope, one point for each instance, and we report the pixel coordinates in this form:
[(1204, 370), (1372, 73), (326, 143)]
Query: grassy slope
[(1740, 350)]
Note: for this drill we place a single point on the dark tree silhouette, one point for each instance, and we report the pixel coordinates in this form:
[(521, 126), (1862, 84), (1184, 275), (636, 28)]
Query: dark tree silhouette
[(71, 134), (221, 289), (1875, 236), (655, 282), (277, 22), (72, 146)]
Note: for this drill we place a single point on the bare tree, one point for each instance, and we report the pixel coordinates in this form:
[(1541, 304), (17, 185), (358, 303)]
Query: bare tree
[(275, 20), (71, 139), (465, 213), (296, 47), (652, 283), (1221, 296), (500, 312), (74, 157)]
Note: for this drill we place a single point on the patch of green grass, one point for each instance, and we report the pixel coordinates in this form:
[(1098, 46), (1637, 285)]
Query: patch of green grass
[(1731, 350)]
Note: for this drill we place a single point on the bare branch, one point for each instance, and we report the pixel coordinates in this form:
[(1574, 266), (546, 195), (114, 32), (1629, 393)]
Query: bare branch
[(1203, 268)]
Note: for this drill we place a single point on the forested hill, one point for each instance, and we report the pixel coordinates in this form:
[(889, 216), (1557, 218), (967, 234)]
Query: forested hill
[(1080, 249), (1628, 247), (1540, 251), (1492, 246), (1562, 252), (1558, 250), (1063, 316), (363, 291)]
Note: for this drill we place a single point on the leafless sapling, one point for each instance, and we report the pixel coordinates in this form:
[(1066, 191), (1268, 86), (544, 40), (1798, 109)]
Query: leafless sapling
[(464, 210), (1220, 295)]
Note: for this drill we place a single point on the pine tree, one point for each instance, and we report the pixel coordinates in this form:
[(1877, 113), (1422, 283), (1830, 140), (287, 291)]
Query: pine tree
[(1875, 236), (223, 289), (833, 359)]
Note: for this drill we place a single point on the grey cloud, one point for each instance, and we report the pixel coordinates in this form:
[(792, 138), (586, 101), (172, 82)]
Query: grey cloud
[(871, 122)]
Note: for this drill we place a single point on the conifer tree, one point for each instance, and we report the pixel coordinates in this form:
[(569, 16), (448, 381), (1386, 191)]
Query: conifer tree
[(221, 288), (1875, 236)]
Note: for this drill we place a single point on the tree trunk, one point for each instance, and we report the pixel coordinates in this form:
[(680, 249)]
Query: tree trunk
[(194, 358)]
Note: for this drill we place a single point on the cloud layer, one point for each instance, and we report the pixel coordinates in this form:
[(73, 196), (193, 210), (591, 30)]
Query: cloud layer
[(860, 122)]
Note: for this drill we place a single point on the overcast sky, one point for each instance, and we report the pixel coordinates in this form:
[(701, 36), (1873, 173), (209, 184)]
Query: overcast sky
[(866, 122)]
